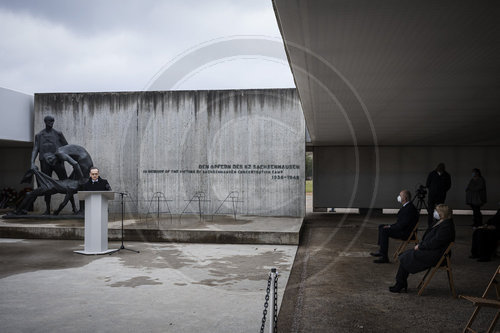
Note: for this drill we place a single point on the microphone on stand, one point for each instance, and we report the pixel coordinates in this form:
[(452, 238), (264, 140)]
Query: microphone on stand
[(122, 247)]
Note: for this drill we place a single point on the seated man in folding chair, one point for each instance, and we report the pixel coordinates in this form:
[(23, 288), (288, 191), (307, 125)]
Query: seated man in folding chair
[(407, 219), (430, 249)]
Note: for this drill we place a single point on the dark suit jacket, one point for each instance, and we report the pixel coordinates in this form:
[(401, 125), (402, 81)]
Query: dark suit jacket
[(407, 219), (438, 186), (100, 185), (435, 241), (475, 193)]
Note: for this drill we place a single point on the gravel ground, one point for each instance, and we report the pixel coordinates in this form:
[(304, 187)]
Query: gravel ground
[(334, 285)]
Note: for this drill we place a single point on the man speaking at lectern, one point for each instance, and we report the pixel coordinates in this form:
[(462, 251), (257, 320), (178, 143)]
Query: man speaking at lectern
[(96, 183)]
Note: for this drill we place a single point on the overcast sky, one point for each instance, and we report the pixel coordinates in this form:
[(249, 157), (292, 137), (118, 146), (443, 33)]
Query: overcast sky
[(127, 45)]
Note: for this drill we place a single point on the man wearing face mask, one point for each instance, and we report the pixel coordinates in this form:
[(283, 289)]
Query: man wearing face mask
[(407, 218)]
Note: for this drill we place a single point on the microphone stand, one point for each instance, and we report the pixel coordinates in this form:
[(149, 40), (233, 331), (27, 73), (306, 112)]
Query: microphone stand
[(122, 247)]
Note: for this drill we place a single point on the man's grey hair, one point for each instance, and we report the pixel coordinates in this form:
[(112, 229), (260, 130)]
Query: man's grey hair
[(407, 195)]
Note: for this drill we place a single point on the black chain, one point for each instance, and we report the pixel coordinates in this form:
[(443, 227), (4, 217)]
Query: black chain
[(276, 303), (266, 304)]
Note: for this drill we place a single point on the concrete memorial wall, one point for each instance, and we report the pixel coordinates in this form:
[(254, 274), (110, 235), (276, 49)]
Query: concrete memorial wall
[(181, 144)]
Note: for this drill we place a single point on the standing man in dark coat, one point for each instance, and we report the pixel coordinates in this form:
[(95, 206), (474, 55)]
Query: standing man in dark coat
[(475, 196), (438, 183), (96, 183), (407, 219), (47, 141), (428, 252)]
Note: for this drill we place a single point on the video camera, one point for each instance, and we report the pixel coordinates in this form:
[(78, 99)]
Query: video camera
[(421, 192)]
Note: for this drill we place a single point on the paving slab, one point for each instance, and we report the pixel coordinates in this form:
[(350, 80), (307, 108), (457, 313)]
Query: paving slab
[(167, 287)]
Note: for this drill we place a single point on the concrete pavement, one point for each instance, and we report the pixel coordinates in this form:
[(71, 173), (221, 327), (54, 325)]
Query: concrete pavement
[(167, 287), (334, 286)]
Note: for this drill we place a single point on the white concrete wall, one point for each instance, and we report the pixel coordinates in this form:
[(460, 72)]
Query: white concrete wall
[(182, 142), (339, 181), (16, 109), (16, 137)]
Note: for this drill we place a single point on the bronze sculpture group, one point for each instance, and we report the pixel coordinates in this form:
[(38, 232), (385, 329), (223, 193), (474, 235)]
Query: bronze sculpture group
[(53, 150)]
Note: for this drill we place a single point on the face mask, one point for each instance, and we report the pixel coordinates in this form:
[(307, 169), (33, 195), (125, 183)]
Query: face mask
[(399, 199), (436, 215)]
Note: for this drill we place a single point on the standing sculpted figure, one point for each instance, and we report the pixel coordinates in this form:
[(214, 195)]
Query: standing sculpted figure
[(47, 141)]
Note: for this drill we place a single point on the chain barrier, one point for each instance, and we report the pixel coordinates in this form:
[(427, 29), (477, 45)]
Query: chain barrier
[(266, 304), (275, 327), (273, 279)]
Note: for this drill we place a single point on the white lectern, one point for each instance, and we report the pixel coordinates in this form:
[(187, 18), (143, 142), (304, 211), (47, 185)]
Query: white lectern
[(96, 221)]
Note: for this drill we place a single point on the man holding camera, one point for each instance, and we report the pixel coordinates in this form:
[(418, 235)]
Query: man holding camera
[(407, 219)]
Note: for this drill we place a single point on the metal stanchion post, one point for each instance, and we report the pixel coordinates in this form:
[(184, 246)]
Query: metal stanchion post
[(274, 298), (271, 320)]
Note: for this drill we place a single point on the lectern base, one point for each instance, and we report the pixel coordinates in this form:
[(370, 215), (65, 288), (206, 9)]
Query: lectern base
[(88, 253)]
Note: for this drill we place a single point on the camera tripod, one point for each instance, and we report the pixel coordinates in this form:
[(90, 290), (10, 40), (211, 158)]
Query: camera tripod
[(122, 247), (420, 202)]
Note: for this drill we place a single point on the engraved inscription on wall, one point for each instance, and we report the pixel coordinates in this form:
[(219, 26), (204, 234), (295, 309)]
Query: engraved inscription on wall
[(274, 171)]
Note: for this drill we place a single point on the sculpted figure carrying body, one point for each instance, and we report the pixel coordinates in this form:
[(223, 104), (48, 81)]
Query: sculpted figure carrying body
[(80, 160)]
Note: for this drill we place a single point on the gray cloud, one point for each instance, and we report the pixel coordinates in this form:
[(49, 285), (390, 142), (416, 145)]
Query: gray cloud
[(120, 45)]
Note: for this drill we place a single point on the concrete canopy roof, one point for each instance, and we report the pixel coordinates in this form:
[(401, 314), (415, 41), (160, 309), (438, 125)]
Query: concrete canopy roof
[(396, 72)]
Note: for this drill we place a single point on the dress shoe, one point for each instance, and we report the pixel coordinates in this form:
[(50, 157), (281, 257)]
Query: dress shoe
[(398, 287), (376, 254), (381, 260)]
